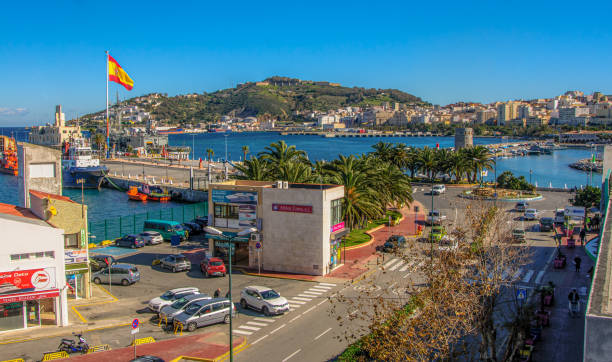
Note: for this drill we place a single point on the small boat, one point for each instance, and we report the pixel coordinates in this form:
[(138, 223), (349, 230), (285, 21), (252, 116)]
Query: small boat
[(155, 193), (8, 155), (135, 195)]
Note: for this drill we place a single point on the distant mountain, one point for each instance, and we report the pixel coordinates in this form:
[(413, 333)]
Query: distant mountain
[(278, 97)]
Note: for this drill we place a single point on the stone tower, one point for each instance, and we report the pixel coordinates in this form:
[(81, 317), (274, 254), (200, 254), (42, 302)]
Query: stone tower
[(463, 138)]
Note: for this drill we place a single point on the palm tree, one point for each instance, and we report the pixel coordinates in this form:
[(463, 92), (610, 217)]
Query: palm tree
[(383, 151), (392, 185), (245, 150), (277, 155), (478, 159), (459, 165), (295, 172), (253, 169), (412, 160), (99, 140), (210, 153), (427, 161)]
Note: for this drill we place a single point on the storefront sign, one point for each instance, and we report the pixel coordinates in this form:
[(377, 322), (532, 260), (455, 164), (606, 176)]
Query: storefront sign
[(247, 215), (28, 296), (234, 197), (305, 209), (75, 256), (30, 280), (337, 227)]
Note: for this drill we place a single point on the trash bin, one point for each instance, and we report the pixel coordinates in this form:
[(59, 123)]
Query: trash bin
[(175, 240), (416, 209)]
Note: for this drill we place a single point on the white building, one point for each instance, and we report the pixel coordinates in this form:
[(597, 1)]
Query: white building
[(575, 116), (33, 290), (325, 119)]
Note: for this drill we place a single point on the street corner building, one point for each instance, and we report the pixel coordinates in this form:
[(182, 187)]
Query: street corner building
[(33, 288), (299, 226)]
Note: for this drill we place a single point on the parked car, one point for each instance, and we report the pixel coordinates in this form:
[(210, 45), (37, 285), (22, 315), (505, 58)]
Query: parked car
[(166, 228), (130, 241), (521, 206), (152, 237), (99, 262), (263, 299), (547, 224), (447, 243), (212, 267), (169, 297), (518, 235), (124, 274), (175, 262), (435, 217), (206, 312), (201, 220), (393, 242), (195, 228), (170, 311), (438, 189), (559, 216), (147, 358), (436, 234), (530, 214)]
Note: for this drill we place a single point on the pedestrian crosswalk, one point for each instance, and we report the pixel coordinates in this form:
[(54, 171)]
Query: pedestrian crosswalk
[(401, 265), (255, 324)]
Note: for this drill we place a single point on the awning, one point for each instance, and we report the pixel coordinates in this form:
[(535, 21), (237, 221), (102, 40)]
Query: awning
[(226, 236), (12, 298), (340, 233)]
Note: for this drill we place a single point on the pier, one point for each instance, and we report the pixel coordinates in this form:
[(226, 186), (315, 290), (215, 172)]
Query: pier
[(360, 135)]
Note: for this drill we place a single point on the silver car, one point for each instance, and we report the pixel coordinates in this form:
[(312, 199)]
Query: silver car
[(124, 274), (263, 299), (176, 262), (152, 237), (168, 312), (169, 297), (206, 312)]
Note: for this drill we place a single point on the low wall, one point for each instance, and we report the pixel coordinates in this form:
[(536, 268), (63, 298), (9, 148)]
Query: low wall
[(183, 193)]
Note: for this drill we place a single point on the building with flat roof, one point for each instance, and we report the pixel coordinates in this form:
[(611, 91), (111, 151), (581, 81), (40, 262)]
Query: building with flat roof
[(56, 134), (299, 226)]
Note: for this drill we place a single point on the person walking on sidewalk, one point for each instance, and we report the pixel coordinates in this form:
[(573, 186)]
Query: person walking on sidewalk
[(582, 236), (217, 293), (577, 262), (574, 302)]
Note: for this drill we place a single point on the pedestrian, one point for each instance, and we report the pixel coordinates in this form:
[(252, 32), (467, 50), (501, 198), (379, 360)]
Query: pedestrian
[(590, 273), (574, 302), (227, 295), (577, 262), (217, 293), (582, 236)]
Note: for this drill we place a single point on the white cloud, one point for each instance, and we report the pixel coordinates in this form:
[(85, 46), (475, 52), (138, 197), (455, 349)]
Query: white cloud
[(19, 111)]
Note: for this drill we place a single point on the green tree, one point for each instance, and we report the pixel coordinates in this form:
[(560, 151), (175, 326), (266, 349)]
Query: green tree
[(587, 197), (245, 150), (428, 161), (253, 169), (99, 140), (210, 153), (279, 154)]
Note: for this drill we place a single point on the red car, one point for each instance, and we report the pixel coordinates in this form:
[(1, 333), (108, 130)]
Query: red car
[(212, 267)]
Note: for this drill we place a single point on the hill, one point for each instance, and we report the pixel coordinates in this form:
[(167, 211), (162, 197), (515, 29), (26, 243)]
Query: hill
[(278, 97)]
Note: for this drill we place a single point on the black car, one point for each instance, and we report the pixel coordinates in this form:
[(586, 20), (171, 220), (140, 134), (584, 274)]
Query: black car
[(99, 262), (201, 220), (147, 359), (194, 228), (130, 241), (547, 223)]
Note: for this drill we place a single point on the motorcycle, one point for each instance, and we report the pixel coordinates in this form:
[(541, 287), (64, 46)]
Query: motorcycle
[(72, 346)]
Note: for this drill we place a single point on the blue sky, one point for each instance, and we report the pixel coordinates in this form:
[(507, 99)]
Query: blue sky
[(443, 51)]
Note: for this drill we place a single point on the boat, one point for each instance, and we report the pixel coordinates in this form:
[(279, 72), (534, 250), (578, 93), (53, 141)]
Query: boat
[(78, 163), (155, 193), (136, 195), (8, 156)]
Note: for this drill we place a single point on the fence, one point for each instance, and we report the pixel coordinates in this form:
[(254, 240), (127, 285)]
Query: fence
[(113, 228)]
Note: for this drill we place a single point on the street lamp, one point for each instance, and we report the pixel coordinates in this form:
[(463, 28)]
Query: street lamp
[(530, 173), (230, 239), (82, 182)]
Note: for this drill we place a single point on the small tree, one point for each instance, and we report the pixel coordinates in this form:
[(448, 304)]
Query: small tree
[(587, 197)]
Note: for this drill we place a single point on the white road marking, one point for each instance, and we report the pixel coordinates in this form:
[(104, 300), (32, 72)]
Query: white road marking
[(391, 286), (328, 284), (316, 289), (257, 324), (420, 264), (291, 355), (255, 342), (294, 305), (406, 276), (312, 292), (242, 332), (321, 302), (406, 266), (307, 295), (249, 327), (269, 320), (300, 298), (322, 287), (517, 274), (386, 265), (296, 317), (277, 329), (321, 335), (353, 312), (295, 301), (538, 279), (528, 276), (309, 309), (396, 265)]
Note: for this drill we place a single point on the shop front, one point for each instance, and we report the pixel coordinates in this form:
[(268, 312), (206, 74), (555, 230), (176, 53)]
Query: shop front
[(77, 273), (335, 244)]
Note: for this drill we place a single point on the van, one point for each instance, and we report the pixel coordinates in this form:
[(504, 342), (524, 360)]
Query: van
[(124, 274), (559, 216), (206, 312), (166, 228)]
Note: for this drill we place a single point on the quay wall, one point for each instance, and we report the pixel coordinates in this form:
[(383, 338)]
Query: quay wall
[(184, 194)]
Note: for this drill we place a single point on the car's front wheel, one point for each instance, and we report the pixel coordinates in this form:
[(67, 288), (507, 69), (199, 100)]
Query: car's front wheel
[(226, 319), (125, 282), (265, 311), (97, 280), (191, 327)]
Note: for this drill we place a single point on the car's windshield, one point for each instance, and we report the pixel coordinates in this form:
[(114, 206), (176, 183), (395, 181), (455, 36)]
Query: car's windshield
[(180, 259), (179, 303), (192, 309), (216, 263), (178, 227), (270, 294), (167, 296)]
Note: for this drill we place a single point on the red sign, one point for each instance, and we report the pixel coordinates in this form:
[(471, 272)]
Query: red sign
[(305, 209), (29, 296), (337, 227), (29, 280)]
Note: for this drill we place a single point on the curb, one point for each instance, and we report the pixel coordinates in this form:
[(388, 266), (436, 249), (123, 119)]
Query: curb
[(273, 276), (239, 348), (372, 236), (64, 333)]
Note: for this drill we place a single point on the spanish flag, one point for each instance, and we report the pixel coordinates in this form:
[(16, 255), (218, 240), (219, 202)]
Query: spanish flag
[(118, 75)]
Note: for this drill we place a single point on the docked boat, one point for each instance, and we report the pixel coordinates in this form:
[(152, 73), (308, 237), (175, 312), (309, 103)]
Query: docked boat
[(134, 194), (155, 193), (78, 163), (8, 156)]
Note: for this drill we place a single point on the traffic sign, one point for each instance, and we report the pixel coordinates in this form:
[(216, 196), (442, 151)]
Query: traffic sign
[(521, 293), (258, 245), (135, 330), (135, 323)]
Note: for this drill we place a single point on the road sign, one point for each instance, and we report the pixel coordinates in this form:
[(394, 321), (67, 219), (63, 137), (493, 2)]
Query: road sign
[(521, 294), (258, 245), (135, 323), (135, 330)]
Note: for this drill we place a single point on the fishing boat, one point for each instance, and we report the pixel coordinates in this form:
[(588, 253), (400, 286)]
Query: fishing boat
[(8, 156), (136, 195), (78, 163), (155, 193)]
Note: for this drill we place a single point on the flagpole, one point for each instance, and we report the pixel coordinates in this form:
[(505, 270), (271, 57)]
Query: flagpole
[(107, 125)]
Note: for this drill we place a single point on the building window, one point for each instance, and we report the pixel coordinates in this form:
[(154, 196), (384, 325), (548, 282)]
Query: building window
[(226, 211), (72, 240), (37, 255), (336, 212), (50, 254)]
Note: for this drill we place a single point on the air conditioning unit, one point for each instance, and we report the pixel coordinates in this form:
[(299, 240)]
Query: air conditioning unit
[(279, 184), (255, 237), (285, 184)]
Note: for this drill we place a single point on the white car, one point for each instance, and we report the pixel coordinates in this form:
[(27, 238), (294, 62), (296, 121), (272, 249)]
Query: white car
[(152, 237), (169, 297), (263, 299), (559, 216), (435, 217), (530, 214), (447, 244), (438, 189)]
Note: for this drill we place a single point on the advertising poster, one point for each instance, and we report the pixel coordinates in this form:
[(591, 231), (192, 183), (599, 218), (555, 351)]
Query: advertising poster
[(247, 215), (234, 197), (31, 280), (75, 256)]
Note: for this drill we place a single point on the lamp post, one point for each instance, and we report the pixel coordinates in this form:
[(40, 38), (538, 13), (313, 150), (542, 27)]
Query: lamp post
[(230, 239), (82, 182), (530, 173)]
